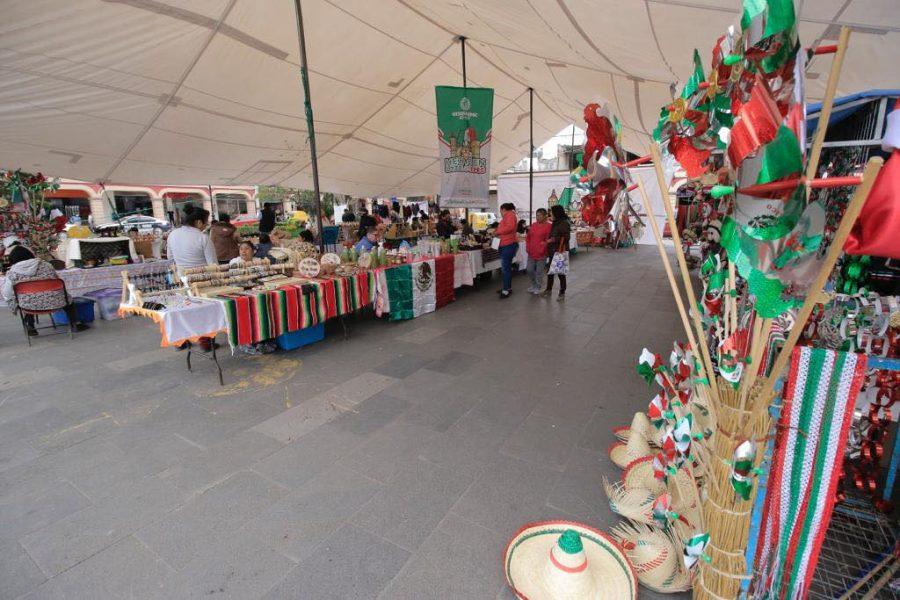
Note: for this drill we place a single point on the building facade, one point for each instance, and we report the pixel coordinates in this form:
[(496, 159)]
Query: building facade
[(83, 199)]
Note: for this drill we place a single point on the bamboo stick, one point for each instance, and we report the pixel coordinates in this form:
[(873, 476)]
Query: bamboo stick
[(834, 75), (679, 254), (676, 292), (732, 280), (813, 295)]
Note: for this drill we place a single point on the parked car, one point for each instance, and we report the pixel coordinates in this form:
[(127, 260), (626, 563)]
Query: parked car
[(144, 224)]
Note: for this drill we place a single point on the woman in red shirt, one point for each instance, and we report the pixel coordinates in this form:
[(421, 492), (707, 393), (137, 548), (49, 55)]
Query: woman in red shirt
[(509, 245), (536, 246)]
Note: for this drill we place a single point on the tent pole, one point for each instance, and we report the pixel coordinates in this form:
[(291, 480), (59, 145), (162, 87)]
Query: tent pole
[(462, 47), (212, 203), (310, 127), (530, 151), (572, 164)]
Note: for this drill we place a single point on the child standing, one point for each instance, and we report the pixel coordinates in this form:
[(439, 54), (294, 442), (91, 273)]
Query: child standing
[(536, 247)]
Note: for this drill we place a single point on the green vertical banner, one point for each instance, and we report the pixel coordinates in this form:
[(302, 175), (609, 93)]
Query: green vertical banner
[(465, 118)]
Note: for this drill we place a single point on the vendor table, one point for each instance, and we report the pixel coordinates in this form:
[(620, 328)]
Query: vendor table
[(80, 281)]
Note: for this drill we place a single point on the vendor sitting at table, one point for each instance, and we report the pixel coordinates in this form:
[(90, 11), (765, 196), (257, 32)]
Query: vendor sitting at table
[(369, 241), (24, 266), (246, 253)]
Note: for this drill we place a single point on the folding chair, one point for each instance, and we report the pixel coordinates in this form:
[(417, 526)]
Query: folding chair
[(38, 286)]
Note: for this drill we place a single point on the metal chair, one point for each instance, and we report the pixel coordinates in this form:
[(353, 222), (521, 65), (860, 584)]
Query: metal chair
[(38, 286)]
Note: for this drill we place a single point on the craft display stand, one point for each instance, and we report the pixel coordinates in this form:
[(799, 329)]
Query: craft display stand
[(210, 355), (133, 295)]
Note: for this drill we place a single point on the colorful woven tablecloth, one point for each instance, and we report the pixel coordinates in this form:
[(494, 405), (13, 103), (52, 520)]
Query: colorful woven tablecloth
[(259, 316)]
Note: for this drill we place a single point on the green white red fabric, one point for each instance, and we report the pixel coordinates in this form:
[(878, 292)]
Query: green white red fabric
[(407, 291), (819, 401)]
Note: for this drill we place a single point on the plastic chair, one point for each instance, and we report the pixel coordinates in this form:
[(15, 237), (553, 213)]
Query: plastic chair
[(38, 286)]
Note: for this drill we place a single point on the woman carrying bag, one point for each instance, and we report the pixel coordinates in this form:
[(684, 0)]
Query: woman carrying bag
[(558, 249)]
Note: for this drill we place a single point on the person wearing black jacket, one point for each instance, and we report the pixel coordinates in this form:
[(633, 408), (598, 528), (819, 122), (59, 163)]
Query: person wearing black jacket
[(445, 225), (560, 233), (365, 221), (266, 219)]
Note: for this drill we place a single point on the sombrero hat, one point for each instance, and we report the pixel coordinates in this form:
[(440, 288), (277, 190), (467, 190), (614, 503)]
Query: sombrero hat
[(563, 560), (686, 502), (655, 557), (639, 474), (636, 447), (639, 423), (632, 503)]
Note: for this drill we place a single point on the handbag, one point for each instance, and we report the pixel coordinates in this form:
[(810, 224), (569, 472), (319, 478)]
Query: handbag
[(559, 263), (495, 243)]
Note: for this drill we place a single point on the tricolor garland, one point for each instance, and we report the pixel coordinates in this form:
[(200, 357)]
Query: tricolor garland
[(821, 395)]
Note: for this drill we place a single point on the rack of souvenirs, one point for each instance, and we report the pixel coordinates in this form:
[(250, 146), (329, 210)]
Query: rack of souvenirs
[(730, 474)]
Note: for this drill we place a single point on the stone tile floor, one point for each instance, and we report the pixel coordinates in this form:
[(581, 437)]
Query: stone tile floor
[(394, 465)]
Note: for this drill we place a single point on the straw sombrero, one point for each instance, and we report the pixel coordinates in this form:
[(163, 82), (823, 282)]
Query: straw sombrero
[(686, 502), (636, 447), (639, 423), (639, 474), (655, 557), (632, 503), (563, 560)]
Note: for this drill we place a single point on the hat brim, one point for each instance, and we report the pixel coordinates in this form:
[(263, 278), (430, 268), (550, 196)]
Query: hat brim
[(530, 547), (639, 473), (655, 556), (632, 503), (621, 455)]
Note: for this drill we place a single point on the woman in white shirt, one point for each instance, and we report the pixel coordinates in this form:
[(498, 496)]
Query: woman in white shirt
[(188, 245)]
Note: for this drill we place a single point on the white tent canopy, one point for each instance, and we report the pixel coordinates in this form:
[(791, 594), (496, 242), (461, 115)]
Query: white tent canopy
[(208, 91)]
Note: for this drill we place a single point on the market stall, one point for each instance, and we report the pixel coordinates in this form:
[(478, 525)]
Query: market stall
[(82, 281), (750, 444)]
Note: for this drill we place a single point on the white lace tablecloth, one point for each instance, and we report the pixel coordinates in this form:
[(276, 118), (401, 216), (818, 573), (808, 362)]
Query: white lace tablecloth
[(202, 317), (463, 270)]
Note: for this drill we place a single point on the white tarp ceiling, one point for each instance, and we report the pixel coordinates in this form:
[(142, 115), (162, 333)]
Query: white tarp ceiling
[(208, 91)]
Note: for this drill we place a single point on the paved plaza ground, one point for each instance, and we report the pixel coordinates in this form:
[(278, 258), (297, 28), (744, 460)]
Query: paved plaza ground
[(395, 464)]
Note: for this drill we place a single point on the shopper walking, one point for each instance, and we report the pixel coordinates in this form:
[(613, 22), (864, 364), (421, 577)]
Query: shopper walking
[(558, 249), (536, 247), (509, 245)]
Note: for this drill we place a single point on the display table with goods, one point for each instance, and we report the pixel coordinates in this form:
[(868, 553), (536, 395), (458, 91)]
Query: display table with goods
[(100, 251), (288, 302), (736, 465), (82, 281)]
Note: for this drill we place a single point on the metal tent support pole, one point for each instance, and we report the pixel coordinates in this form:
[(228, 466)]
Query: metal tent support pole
[(530, 152), (310, 127), (462, 47), (572, 163)]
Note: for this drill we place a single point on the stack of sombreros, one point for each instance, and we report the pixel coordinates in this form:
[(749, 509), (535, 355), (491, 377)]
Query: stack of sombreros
[(655, 555), (564, 560)]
